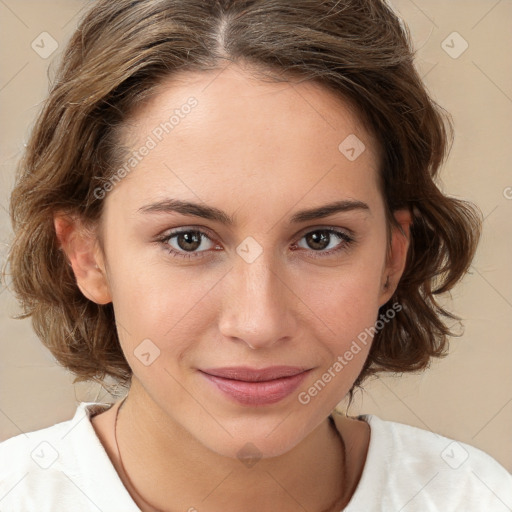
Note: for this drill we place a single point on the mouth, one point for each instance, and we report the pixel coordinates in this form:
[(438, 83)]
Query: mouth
[(256, 387), (247, 374)]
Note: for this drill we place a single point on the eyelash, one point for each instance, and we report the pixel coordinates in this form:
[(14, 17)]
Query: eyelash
[(346, 242)]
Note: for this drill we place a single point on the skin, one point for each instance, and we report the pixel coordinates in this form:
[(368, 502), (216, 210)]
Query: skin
[(260, 152)]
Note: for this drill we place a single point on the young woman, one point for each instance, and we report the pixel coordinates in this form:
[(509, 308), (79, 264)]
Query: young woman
[(230, 208)]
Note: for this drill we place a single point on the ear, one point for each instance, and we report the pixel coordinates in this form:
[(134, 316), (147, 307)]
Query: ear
[(397, 255), (81, 247)]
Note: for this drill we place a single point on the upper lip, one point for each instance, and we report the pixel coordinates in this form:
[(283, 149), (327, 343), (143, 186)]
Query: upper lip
[(248, 374)]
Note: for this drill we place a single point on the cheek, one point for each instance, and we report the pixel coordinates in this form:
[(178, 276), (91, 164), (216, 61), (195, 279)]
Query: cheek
[(347, 298), (349, 311), (156, 301)]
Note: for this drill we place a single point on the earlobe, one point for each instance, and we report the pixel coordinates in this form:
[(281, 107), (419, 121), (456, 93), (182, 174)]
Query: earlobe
[(80, 247), (397, 256)]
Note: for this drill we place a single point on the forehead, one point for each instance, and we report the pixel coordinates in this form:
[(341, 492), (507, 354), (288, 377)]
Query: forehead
[(234, 97), (232, 128)]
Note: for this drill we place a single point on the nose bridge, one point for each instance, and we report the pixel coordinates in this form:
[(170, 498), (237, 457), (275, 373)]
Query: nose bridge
[(257, 305)]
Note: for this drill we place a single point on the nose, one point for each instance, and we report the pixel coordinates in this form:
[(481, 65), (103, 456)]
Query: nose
[(258, 304)]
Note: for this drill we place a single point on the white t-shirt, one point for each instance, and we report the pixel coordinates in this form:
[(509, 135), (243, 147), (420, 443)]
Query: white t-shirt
[(65, 468)]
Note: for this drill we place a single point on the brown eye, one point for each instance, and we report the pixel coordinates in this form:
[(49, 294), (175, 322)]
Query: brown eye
[(186, 243), (321, 239), (189, 240), (318, 239)]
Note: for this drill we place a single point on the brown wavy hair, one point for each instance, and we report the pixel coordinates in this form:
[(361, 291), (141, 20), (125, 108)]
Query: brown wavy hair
[(115, 61)]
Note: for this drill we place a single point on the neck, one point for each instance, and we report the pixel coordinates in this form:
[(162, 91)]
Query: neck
[(162, 464)]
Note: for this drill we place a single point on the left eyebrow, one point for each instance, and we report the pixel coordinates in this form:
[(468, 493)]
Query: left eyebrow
[(329, 209), (212, 213)]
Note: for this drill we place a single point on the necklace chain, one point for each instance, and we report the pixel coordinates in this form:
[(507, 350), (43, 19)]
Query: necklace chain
[(153, 509), (340, 501)]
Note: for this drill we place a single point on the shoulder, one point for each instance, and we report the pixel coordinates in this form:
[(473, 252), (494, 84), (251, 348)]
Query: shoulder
[(421, 446), (55, 468), (42, 445), (416, 469)]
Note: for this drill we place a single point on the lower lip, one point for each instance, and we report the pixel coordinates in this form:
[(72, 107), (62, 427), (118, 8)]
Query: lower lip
[(258, 393)]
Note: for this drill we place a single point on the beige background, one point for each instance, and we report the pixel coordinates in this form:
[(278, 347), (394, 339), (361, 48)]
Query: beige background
[(467, 396)]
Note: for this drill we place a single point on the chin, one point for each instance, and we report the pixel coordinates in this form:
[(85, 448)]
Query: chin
[(250, 450), (250, 438)]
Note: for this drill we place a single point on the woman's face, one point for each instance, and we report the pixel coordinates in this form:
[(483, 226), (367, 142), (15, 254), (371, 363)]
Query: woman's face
[(270, 287)]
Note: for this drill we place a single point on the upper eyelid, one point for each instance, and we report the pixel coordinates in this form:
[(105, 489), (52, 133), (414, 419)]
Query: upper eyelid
[(206, 232), (167, 234)]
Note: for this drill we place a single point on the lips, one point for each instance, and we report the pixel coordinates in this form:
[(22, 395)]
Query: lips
[(253, 374), (256, 387)]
